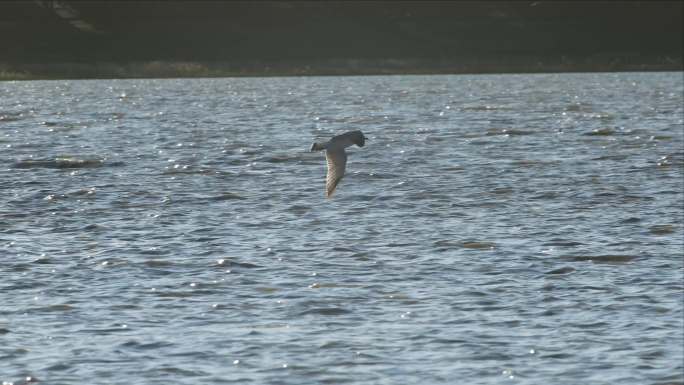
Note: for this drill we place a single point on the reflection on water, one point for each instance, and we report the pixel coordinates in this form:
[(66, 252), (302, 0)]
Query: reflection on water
[(497, 228)]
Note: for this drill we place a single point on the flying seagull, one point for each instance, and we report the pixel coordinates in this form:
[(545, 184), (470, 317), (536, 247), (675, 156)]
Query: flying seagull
[(336, 157)]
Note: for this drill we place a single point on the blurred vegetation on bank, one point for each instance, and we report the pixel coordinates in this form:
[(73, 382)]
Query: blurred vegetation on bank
[(341, 67), (70, 39)]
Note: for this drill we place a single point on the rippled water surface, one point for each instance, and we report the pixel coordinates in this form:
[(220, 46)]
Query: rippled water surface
[(522, 229)]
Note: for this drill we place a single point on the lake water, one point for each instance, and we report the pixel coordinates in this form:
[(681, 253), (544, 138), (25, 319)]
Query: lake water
[(495, 229)]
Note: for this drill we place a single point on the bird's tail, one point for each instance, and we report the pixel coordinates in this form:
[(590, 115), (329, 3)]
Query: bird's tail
[(318, 146)]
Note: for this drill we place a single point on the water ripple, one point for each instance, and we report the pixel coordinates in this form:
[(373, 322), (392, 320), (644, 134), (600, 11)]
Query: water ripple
[(495, 228)]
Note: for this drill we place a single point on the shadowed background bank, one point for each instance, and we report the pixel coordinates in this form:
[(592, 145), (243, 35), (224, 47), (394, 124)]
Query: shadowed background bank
[(79, 39)]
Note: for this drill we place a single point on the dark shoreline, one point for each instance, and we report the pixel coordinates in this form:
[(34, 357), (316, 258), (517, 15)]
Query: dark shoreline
[(66, 39), (342, 67)]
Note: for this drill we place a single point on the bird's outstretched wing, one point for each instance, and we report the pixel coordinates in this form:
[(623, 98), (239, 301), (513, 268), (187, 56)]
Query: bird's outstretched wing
[(337, 162)]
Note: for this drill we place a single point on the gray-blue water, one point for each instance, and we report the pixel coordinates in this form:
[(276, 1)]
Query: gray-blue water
[(495, 229)]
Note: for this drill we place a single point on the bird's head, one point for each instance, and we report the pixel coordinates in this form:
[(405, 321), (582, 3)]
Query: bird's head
[(360, 139)]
